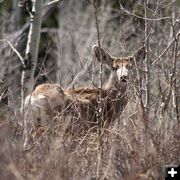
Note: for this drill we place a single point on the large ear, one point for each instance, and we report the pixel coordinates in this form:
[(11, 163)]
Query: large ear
[(101, 53)]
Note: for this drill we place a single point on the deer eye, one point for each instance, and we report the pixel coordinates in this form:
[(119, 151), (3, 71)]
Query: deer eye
[(115, 68)]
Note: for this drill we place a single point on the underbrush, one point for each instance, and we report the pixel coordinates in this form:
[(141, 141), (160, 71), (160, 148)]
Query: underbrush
[(125, 150)]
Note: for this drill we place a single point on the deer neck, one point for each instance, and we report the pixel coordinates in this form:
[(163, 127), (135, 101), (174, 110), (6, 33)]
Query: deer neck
[(115, 95), (115, 85)]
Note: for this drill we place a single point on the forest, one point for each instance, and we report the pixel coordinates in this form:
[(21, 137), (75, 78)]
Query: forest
[(89, 89)]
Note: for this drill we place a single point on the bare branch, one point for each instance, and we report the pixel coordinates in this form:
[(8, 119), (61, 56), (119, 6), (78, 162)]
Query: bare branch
[(169, 45), (52, 2), (14, 50), (140, 17), (99, 44)]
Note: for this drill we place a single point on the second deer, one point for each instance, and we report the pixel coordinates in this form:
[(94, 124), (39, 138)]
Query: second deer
[(82, 105)]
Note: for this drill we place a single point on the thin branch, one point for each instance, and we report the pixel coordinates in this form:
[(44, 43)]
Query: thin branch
[(14, 50), (174, 80), (99, 44), (169, 45), (51, 2), (140, 17), (100, 110), (83, 69)]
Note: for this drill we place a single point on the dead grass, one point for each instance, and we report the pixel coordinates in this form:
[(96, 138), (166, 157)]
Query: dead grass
[(127, 150)]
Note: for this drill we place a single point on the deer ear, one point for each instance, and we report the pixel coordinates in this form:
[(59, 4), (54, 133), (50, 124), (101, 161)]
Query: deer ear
[(101, 53)]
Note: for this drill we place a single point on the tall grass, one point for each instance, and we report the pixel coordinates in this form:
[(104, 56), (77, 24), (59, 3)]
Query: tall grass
[(131, 148)]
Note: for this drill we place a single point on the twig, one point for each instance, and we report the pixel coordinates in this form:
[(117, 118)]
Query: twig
[(169, 45), (2, 94), (84, 68), (51, 2), (173, 80), (100, 110), (140, 17), (23, 65), (14, 49), (99, 44)]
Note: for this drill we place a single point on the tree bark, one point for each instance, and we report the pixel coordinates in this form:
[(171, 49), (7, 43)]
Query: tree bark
[(32, 49), (30, 60)]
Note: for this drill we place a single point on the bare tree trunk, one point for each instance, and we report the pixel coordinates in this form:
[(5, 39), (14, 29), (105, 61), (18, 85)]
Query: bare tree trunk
[(30, 60), (32, 49), (147, 75)]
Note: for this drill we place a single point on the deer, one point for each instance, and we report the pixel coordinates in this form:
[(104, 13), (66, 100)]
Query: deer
[(82, 105)]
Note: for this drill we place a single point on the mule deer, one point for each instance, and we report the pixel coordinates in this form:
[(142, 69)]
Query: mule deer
[(82, 104)]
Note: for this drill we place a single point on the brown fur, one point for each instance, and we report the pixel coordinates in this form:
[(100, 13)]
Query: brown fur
[(82, 104)]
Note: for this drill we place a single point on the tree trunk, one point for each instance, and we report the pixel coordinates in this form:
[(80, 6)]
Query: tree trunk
[(32, 48)]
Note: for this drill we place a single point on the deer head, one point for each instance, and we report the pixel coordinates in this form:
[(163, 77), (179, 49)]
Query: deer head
[(120, 65), (49, 100)]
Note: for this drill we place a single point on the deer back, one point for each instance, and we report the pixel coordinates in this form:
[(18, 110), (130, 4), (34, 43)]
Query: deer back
[(83, 104)]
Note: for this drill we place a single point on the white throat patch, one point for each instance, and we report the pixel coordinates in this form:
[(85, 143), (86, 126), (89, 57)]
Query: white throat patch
[(123, 71)]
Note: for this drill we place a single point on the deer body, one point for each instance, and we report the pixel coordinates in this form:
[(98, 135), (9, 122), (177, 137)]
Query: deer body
[(82, 104)]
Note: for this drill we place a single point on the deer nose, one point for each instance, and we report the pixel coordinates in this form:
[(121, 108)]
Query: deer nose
[(124, 78)]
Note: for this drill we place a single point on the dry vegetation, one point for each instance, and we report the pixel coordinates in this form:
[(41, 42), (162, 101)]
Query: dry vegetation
[(146, 135)]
